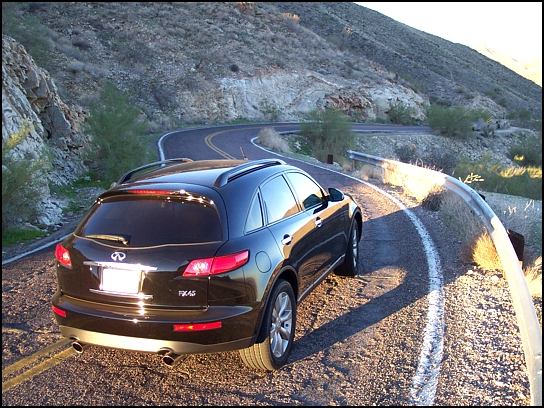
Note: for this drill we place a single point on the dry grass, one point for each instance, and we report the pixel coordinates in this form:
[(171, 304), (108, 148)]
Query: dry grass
[(272, 140), (477, 245)]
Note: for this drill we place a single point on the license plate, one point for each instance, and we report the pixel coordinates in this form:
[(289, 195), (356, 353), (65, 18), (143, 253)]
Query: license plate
[(121, 281)]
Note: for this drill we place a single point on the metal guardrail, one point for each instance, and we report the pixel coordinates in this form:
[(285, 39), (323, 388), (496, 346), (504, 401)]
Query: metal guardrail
[(531, 334)]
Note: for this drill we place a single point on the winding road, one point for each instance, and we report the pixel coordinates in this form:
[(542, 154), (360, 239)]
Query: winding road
[(389, 336)]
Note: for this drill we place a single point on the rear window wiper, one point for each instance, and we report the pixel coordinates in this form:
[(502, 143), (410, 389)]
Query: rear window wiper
[(107, 237)]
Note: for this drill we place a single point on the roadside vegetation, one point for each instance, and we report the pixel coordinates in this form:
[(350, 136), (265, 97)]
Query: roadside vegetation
[(22, 182), (119, 133), (523, 180), (329, 134), (120, 142)]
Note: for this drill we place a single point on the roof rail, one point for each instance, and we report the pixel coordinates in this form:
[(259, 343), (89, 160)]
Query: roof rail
[(128, 175), (245, 168)]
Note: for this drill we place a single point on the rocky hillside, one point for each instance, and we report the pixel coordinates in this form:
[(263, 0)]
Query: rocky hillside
[(208, 62), (224, 61)]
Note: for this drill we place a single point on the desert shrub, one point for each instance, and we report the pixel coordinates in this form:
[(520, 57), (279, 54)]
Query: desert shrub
[(444, 161), (23, 178), (406, 153), (511, 180), (118, 133), (434, 199), (271, 139), (533, 276), (400, 113), (269, 110), (527, 151), (328, 132), (451, 122)]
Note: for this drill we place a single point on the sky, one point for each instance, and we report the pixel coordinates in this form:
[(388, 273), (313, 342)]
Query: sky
[(511, 28)]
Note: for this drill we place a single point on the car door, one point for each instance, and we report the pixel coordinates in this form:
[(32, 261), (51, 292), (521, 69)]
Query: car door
[(329, 235), (292, 228)]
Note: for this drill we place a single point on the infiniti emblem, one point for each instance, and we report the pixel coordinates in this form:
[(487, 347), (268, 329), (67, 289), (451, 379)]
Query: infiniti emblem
[(118, 256)]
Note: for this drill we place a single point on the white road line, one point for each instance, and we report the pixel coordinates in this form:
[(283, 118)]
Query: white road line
[(34, 250), (425, 381)]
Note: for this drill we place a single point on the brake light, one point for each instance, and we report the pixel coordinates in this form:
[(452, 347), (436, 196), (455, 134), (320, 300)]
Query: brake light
[(216, 265), (152, 192), (197, 327), (61, 313), (63, 256)]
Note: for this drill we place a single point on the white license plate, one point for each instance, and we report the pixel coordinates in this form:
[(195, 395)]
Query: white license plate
[(121, 281)]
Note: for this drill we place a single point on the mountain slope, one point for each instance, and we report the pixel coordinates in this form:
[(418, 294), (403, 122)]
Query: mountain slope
[(178, 58), (444, 71)]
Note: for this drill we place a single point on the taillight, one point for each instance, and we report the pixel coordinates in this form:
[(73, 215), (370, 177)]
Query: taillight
[(61, 313), (216, 265), (197, 327), (63, 256)]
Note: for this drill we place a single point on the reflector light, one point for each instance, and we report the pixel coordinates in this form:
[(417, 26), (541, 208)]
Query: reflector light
[(197, 327), (63, 256), (61, 313), (217, 265)]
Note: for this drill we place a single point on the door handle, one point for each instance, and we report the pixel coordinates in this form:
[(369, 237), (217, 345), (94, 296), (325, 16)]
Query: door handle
[(287, 239)]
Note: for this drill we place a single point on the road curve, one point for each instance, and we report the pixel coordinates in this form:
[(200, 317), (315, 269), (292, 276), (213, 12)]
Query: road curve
[(374, 339)]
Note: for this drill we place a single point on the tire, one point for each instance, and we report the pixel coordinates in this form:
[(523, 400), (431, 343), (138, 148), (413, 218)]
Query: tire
[(351, 261), (279, 329)]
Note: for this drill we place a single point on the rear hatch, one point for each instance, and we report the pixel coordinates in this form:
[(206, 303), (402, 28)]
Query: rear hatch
[(132, 249)]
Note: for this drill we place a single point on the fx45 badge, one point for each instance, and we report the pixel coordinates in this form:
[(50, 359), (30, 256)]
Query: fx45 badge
[(185, 293)]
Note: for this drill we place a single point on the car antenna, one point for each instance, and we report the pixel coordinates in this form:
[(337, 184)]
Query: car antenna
[(243, 154)]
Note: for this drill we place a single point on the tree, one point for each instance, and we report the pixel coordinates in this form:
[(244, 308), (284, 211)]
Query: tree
[(118, 131), (329, 132)]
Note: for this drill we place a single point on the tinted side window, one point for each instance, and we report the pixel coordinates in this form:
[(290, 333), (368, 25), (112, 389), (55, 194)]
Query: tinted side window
[(278, 199), (146, 222), (309, 193), (255, 215)]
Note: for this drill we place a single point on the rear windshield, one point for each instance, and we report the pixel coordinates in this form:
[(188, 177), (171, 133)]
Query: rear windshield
[(145, 222)]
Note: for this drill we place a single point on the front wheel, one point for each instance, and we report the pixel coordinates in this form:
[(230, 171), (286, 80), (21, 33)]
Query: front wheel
[(279, 322), (351, 261)]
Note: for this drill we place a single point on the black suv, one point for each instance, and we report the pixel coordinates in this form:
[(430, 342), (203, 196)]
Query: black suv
[(183, 257)]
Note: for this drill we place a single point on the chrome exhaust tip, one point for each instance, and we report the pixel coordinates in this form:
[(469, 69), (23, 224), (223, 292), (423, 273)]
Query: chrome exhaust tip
[(172, 359), (79, 347)]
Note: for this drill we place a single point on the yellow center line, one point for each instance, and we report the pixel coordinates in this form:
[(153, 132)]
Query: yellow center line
[(27, 361), (208, 141)]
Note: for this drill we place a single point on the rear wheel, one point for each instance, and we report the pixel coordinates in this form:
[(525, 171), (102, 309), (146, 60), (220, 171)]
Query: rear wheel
[(279, 323), (351, 261)]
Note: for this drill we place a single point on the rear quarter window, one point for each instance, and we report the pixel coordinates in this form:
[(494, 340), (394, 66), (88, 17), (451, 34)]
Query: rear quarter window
[(278, 199)]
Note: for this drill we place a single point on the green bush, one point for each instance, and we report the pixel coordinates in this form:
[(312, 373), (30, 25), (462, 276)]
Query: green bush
[(400, 113), (118, 131), (453, 122), (495, 178), (328, 132), (527, 151), (22, 180)]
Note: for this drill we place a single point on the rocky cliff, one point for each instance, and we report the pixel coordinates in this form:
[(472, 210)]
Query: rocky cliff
[(30, 97)]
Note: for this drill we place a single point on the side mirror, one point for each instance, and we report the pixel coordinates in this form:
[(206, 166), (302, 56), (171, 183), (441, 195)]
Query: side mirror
[(335, 194)]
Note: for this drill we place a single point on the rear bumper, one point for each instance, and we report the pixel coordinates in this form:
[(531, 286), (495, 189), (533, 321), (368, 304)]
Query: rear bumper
[(152, 330), (148, 345)]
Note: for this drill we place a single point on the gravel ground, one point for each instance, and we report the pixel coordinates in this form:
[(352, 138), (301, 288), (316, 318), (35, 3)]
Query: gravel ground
[(483, 361)]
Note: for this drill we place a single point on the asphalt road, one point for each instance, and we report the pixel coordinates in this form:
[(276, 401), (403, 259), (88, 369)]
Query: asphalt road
[(414, 327)]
